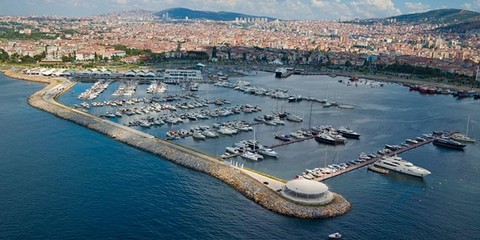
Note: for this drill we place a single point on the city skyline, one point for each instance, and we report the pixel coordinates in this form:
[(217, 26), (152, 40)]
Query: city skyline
[(283, 9)]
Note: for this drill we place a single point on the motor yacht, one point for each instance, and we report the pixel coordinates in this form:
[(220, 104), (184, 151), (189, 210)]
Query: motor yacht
[(397, 164)]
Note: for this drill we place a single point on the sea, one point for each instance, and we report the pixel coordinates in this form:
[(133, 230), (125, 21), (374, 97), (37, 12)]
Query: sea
[(59, 180)]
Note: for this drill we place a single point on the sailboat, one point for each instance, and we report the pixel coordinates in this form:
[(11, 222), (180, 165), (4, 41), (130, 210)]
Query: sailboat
[(463, 138), (252, 155)]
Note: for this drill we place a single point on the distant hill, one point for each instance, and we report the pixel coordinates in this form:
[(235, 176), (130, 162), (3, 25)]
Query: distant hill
[(449, 20), (440, 16), (464, 27), (181, 13)]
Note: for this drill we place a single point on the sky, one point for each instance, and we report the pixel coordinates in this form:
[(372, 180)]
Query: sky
[(282, 9)]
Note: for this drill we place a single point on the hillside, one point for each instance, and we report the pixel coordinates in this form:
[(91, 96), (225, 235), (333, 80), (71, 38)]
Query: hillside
[(441, 16), (464, 27), (449, 20), (181, 13)]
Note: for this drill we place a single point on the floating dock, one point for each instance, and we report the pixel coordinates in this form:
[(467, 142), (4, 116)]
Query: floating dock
[(372, 167)]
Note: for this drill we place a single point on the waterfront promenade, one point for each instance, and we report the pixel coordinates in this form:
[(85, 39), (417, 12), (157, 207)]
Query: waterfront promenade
[(249, 186)]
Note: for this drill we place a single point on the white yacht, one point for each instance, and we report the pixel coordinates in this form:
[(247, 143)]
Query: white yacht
[(225, 131), (267, 152), (232, 150), (294, 118), (210, 134), (397, 164), (277, 121), (252, 156), (462, 138), (297, 135), (198, 135)]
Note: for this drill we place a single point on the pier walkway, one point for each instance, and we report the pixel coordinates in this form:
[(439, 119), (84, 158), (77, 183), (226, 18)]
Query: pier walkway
[(372, 160)]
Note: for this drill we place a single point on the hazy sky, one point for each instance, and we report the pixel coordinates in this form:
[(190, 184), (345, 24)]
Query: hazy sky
[(284, 9)]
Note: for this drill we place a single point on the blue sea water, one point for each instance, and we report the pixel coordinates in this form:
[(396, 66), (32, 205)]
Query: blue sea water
[(61, 181)]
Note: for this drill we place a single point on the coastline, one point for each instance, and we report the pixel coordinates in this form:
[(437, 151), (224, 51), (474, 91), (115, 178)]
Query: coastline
[(45, 99), (414, 81), (388, 79)]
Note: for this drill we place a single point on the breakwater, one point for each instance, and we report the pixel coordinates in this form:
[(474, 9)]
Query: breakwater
[(45, 99)]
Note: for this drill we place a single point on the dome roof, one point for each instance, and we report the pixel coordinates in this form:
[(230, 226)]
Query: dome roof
[(305, 186)]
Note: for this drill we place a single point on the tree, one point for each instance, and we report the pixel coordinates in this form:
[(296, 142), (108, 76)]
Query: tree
[(214, 52), (27, 59), (179, 46), (3, 56), (116, 58), (40, 56), (65, 59), (14, 57)]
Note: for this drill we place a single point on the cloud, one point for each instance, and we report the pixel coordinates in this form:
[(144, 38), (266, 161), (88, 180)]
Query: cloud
[(374, 8), (414, 7), (331, 9), (284, 9), (358, 8), (473, 5), (120, 2)]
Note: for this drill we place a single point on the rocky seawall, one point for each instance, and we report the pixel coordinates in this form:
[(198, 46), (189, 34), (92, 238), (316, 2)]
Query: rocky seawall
[(190, 158)]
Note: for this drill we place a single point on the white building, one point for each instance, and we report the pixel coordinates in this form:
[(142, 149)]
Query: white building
[(85, 55), (307, 192), (181, 74), (114, 53)]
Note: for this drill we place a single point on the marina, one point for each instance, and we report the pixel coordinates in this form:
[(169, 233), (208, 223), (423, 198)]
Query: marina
[(408, 194), (327, 204), (218, 120)]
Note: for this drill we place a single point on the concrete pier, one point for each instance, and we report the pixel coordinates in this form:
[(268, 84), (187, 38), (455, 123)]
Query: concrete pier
[(247, 184)]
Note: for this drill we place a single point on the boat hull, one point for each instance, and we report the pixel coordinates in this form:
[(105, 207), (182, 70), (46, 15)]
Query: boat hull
[(400, 170), (350, 135), (326, 141), (447, 145)]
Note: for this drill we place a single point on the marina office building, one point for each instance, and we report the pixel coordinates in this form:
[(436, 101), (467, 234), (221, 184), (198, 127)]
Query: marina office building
[(182, 75)]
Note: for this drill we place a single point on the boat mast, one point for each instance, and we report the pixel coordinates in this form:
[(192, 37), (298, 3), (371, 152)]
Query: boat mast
[(326, 159), (310, 118), (468, 124)]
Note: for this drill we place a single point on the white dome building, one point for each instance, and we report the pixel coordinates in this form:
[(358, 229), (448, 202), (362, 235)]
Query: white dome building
[(307, 192)]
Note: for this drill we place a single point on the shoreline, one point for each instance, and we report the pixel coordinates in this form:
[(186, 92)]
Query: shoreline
[(400, 80), (45, 99), (386, 78)]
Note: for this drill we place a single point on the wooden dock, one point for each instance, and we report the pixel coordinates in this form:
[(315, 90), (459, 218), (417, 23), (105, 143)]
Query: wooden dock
[(373, 160)]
